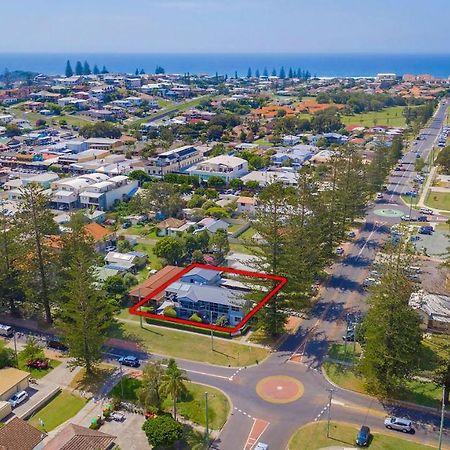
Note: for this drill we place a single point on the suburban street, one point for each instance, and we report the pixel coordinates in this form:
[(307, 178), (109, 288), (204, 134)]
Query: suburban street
[(295, 367)]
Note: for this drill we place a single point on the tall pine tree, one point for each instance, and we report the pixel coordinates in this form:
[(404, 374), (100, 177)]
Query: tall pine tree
[(69, 71)]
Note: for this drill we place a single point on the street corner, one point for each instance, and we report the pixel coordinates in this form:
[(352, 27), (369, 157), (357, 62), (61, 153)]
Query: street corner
[(258, 428), (279, 389)]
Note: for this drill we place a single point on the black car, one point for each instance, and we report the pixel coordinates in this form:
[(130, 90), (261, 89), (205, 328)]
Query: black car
[(130, 361), (57, 345), (363, 436)]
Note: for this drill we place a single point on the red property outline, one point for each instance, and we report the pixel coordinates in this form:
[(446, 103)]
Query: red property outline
[(282, 281)]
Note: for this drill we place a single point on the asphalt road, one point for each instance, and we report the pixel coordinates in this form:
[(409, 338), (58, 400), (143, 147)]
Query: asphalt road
[(302, 354)]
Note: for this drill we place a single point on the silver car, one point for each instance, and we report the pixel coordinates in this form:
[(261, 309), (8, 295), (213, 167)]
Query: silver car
[(398, 423)]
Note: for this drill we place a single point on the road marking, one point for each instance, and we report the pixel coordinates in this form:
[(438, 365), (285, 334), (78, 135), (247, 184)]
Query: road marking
[(259, 426)]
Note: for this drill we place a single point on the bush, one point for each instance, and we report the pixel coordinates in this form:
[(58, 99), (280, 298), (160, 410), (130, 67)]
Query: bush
[(170, 312), (195, 318), (182, 326), (162, 431)]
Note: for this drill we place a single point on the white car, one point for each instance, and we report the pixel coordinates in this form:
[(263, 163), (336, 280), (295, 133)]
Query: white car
[(427, 211), (339, 251), (261, 446), (398, 423), (379, 196), (18, 398)]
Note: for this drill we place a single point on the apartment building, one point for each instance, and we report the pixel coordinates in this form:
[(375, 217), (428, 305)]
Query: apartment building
[(224, 166), (174, 160)]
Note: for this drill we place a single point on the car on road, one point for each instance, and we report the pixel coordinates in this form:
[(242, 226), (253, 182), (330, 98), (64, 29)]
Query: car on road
[(363, 436), (57, 345), (351, 234), (422, 218), (427, 229), (18, 398), (427, 211), (399, 424), (129, 360), (369, 281), (407, 218), (379, 196), (339, 251), (349, 336), (261, 446), (411, 194)]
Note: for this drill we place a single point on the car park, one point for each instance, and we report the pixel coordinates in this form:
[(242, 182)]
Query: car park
[(18, 398), (129, 360), (363, 436), (399, 424)]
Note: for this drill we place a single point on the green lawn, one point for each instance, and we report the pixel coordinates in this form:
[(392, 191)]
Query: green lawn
[(191, 406), (36, 373), (247, 234), (342, 353), (314, 436), (64, 406), (426, 394), (438, 200), (196, 347), (392, 116), (240, 248), (263, 143)]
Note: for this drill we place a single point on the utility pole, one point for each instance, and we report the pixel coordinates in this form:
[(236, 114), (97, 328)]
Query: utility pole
[(441, 427), (140, 316), (212, 334), (15, 350), (206, 419), (121, 379), (329, 411)]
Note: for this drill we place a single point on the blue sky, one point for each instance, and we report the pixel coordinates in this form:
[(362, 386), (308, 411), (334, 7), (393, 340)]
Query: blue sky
[(228, 26)]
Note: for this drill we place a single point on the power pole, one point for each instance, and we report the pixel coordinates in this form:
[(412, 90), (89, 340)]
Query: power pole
[(441, 427), (206, 419), (329, 411), (15, 350), (212, 334)]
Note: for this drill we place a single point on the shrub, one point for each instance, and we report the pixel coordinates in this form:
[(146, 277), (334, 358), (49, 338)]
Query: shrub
[(162, 431), (195, 318), (170, 312)]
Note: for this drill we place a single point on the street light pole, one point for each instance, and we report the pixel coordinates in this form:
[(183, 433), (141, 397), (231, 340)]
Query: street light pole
[(212, 334), (329, 411), (121, 379), (206, 419), (15, 350), (441, 427)]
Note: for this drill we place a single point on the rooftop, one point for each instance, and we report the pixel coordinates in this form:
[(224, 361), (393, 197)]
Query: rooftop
[(10, 377), (17, 434)]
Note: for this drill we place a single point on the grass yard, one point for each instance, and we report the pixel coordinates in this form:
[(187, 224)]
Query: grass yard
[(37, 373), (314, 436), (93, 383), (196, 347), (247, 234), (422, 393), (392, 116), (191, 406), (263, 142), (240, 248), (64, 406), (438, 200), (342, 353)]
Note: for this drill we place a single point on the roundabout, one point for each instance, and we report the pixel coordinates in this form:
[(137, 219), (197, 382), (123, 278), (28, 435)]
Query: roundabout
[(279, 389), (388, 212)]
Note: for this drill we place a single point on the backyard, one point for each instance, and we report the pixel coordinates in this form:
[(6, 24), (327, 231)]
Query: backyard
[(313, 437), (191, 406), (64, 406)]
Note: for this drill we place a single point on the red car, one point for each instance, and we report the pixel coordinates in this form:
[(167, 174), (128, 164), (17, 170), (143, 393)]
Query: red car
[(41, 364)]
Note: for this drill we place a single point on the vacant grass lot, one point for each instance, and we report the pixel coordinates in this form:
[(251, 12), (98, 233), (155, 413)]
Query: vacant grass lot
[(64, 406), (314, 436), (438, 200), (392, 117), (426, 394), (191, 406), (187, 345)]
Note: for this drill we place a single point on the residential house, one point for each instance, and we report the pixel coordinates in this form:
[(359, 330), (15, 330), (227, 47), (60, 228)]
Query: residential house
[(170, 227), (246, 205), (434, 310), (290, 140), (200, 291), (76, 437), (18, 434), (223, 166), (173, 160), (12, 380), (211, 225), (103, 237), (125, 262)]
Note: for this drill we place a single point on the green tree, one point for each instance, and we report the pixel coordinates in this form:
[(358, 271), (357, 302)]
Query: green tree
[(443, 160), (216, 181), (79, 68), (7, 357), (100, 129), (162, 431), (36, 223), (86, 315), (419, 164), (96, 70), (169, 248), (197, 257), (32, 349), (219, 242), (69, 71), (162, 198), (149, 394), (86, 68), (236, 183), (174, 383), (392, 331)]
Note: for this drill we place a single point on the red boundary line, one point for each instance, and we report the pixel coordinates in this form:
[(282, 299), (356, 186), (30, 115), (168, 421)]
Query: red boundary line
[(282, 281)]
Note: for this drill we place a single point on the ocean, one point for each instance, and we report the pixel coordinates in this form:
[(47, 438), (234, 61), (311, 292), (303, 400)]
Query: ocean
[(322, 65)]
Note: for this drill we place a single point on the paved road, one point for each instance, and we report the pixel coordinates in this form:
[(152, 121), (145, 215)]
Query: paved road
[(302, 354)]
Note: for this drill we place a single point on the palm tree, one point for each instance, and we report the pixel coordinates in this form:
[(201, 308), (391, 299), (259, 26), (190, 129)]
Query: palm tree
[(173, 383)]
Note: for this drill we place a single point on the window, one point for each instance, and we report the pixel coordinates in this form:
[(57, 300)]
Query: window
[(235, 308)]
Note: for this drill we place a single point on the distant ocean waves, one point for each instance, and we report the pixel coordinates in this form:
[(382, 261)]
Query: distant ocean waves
[(325, 65)]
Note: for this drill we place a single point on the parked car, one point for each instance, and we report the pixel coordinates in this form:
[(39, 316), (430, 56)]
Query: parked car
[(41, 364), (400, 424), (6, 330), (349, 336), (129, 360), (427, 211), (363, 436), (422, 219), (427, 229), (57, 345), (339, 251), (126, 225), (379, 196), (407, 218), (117, 416), (261, 446), (351, 234), (18, 398)]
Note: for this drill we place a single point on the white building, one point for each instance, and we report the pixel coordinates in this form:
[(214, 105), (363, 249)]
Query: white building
[(224, 166), (174, 160)]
